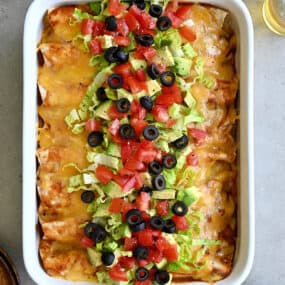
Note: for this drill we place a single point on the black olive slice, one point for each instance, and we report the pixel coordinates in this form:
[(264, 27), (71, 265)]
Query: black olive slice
[(145, 189), (181, 143), (122, 56), (115, 81), (138, 227), (155, 167), (111, 23), (158, 182), (169, 226), (140, 4), (145, 40), (167, 78), (133, 217), (111, 54), (142, 274), (123, 105), (101, 94), (180, 208), (95, 138), (87, 196), (157, 222), (153, 71), (140, 252), (107, 258), (99, 234), (90, 228), (150, 133), (146, 102), (169, 161), (126, 131), (155, 10), (163, 23), (161, 277)]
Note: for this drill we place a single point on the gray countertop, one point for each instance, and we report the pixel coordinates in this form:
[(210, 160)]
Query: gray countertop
[(269, 142)]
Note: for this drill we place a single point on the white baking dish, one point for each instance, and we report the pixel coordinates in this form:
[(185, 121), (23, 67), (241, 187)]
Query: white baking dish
[(245, 243)]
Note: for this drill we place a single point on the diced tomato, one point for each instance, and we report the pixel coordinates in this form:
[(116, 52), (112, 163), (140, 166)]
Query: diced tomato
[(145, 282), (172, 6), (98, 28), (146, 155), (171, 252), (145, 237), (147, 53), (143, 201), (170, 123), (137, 110), (145, 144), (155, 255), (104, 174), (121, 180), (140, 74), (87, 242), (198, 135), (126, 151), (183, 12), (122, 41), (192, 159), (180, 222), (130, 243), (127, 262), (143, 262), (169, 96), (133, 164), (130, 184), (115, 114), (161, 244), (114, 127), (125, 208), (139, 181), (95, 46), (123, 69), (142, 30), (176, 21), (122, 27), (145, 216), (126, 172), (187, 33), (136, 85), (160, 114), (87, 26), (132, 22), (116, 205), (156, 233), (92, 125), (115, 7), (138, 125), (145, 20), (116, 272), (162, 208)]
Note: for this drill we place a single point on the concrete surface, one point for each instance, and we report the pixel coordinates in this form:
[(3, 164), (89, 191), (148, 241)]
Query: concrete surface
[(269, 143)]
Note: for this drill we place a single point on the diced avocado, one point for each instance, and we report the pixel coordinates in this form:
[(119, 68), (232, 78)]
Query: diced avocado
[(106, 41), (102, 211), (78, 128), (102, 111), (153, 87), (137, 63), (189, 195), (164, 56), (177, 52), (146, 178), (89, 178), (114, 150), (111, 94), (140, 94), (180, 125), (162, 263), (182, 66), (193, 116), (124, 121), (175, 111), (165, 194), (94, 256), (123, 93), (113, 190), (189, 99), (189, 51), (181, 156)]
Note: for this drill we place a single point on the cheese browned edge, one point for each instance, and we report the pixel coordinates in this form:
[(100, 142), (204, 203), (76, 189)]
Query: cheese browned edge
[(63, 78)]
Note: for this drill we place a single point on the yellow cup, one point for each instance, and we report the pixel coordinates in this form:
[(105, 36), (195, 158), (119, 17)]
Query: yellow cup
[(274, 15)]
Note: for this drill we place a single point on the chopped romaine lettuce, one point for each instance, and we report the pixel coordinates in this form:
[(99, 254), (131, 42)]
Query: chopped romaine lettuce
[(189, 195)]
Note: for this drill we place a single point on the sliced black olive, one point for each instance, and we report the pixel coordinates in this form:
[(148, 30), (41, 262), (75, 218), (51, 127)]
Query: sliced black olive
[(101, 94), (115, 81), (87, 197), (157, 222), (140, 4), (89, 229), (99, 234), (123, 105), (180, 208), (161, 277), (155, 167), (150, 133), (140, 252), (126, 131), (163, 23), (108, 258), (155, 10), (95, 138), (133, 217), (122, 56), (169, 226), (158, 182), (146, 102), (145, 40), (146, 189), (111, 54), (142, 274), (167, 78), (182, 142), (138, 227), (153, 71), (169, 161), (111, 23)]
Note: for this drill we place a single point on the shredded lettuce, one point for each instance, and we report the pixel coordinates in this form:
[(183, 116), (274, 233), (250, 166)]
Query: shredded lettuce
[(170, 177), (95, 7), (80, 15), (186, 179), (99, 61), (201, 77), (104, 159), (206, 242), (188, 195), (193, 117), (189, 51), (82, 42)]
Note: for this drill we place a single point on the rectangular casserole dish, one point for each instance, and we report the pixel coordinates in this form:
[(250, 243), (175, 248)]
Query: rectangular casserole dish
[(245, 242)]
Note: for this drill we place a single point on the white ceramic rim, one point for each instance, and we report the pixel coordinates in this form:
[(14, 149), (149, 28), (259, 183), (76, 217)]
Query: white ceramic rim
[(246, 233)]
